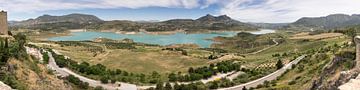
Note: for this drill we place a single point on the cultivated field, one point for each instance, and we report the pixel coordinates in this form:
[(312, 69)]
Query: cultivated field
[(315, 37)]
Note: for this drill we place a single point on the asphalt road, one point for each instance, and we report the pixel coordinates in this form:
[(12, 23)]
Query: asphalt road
[(269, 77)]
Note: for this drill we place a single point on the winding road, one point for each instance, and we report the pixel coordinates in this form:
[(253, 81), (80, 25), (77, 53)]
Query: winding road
[(269, 77), (231, 56), (94, 83), (276, 43)]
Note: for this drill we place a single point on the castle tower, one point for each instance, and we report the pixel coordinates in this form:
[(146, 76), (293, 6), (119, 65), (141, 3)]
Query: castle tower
[(3, 23)]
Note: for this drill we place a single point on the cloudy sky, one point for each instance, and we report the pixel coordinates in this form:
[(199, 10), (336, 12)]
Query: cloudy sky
[(270, 11)]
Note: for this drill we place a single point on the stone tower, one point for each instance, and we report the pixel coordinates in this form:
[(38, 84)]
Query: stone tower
[(3, 23)]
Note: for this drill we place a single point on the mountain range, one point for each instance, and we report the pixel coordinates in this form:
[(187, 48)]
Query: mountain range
[(334, 21), (79, 21), (207, 22)]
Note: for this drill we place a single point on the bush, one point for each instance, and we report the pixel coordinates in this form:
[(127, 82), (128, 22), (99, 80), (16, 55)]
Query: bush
[(104, 79), (99, 88), (292, 82)]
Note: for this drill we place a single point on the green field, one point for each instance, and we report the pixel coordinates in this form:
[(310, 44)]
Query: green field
[(143, 59)]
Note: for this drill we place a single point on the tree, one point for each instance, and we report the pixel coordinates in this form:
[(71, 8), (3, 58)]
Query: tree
[(172, 77), (244, 88), (21, 39), (279, 64), (83, 67), (4, 51), (176, 86), (142, 78), (84, 85), (214, 85), (104, 79), (159, 86), (155, 74), (73, 79), (168, 86), (191, 70)]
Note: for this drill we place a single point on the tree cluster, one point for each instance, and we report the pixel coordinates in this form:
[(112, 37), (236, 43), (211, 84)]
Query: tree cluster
[(104, 74), (205, 72), (77, 81)]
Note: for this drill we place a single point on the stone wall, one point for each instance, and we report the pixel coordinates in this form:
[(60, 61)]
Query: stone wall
[(357, 42), (3, 23)]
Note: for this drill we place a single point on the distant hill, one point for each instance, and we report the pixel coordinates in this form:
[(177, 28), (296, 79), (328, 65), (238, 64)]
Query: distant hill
[(210, 22), (328, 22), (73, 18), (48, 22)]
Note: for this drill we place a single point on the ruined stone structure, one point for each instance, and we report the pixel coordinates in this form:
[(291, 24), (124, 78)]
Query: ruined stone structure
[(357, 42), (3, 23), (354, 83)]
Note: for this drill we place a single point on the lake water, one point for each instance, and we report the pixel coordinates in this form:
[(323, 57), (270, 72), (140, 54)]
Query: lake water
[(201, 39)]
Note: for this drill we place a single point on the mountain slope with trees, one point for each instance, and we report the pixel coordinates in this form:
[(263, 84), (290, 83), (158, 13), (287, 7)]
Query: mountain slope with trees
[(329, 22)]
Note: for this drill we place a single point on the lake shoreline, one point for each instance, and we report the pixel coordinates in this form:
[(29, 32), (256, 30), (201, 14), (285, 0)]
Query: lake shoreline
[(203, 39)]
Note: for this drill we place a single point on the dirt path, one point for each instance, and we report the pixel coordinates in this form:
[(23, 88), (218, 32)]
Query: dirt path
[(232, 55), (259, 51)]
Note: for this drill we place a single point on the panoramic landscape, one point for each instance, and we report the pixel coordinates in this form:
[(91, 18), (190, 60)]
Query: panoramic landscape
[(179, 45)]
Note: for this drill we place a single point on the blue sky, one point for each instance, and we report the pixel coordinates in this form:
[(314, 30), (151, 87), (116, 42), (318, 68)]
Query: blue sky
[(271, 11)]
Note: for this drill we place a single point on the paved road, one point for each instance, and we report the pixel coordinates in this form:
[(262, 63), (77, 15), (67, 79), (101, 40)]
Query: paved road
[(269, 77)]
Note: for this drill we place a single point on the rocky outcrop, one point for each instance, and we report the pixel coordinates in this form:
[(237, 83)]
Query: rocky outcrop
[(3, 86), (352, 76), (330, 77)]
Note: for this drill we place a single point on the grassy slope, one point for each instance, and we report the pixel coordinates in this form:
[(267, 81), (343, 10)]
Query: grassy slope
[(296, 79)]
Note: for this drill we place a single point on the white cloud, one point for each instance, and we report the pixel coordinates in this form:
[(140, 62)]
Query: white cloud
[(45, 5), (243, 10), (287, 10)]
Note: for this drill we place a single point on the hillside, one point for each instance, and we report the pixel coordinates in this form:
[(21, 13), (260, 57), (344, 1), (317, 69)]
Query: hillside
[(72, 18), (333, 21), (210, 22), (25, 72)]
